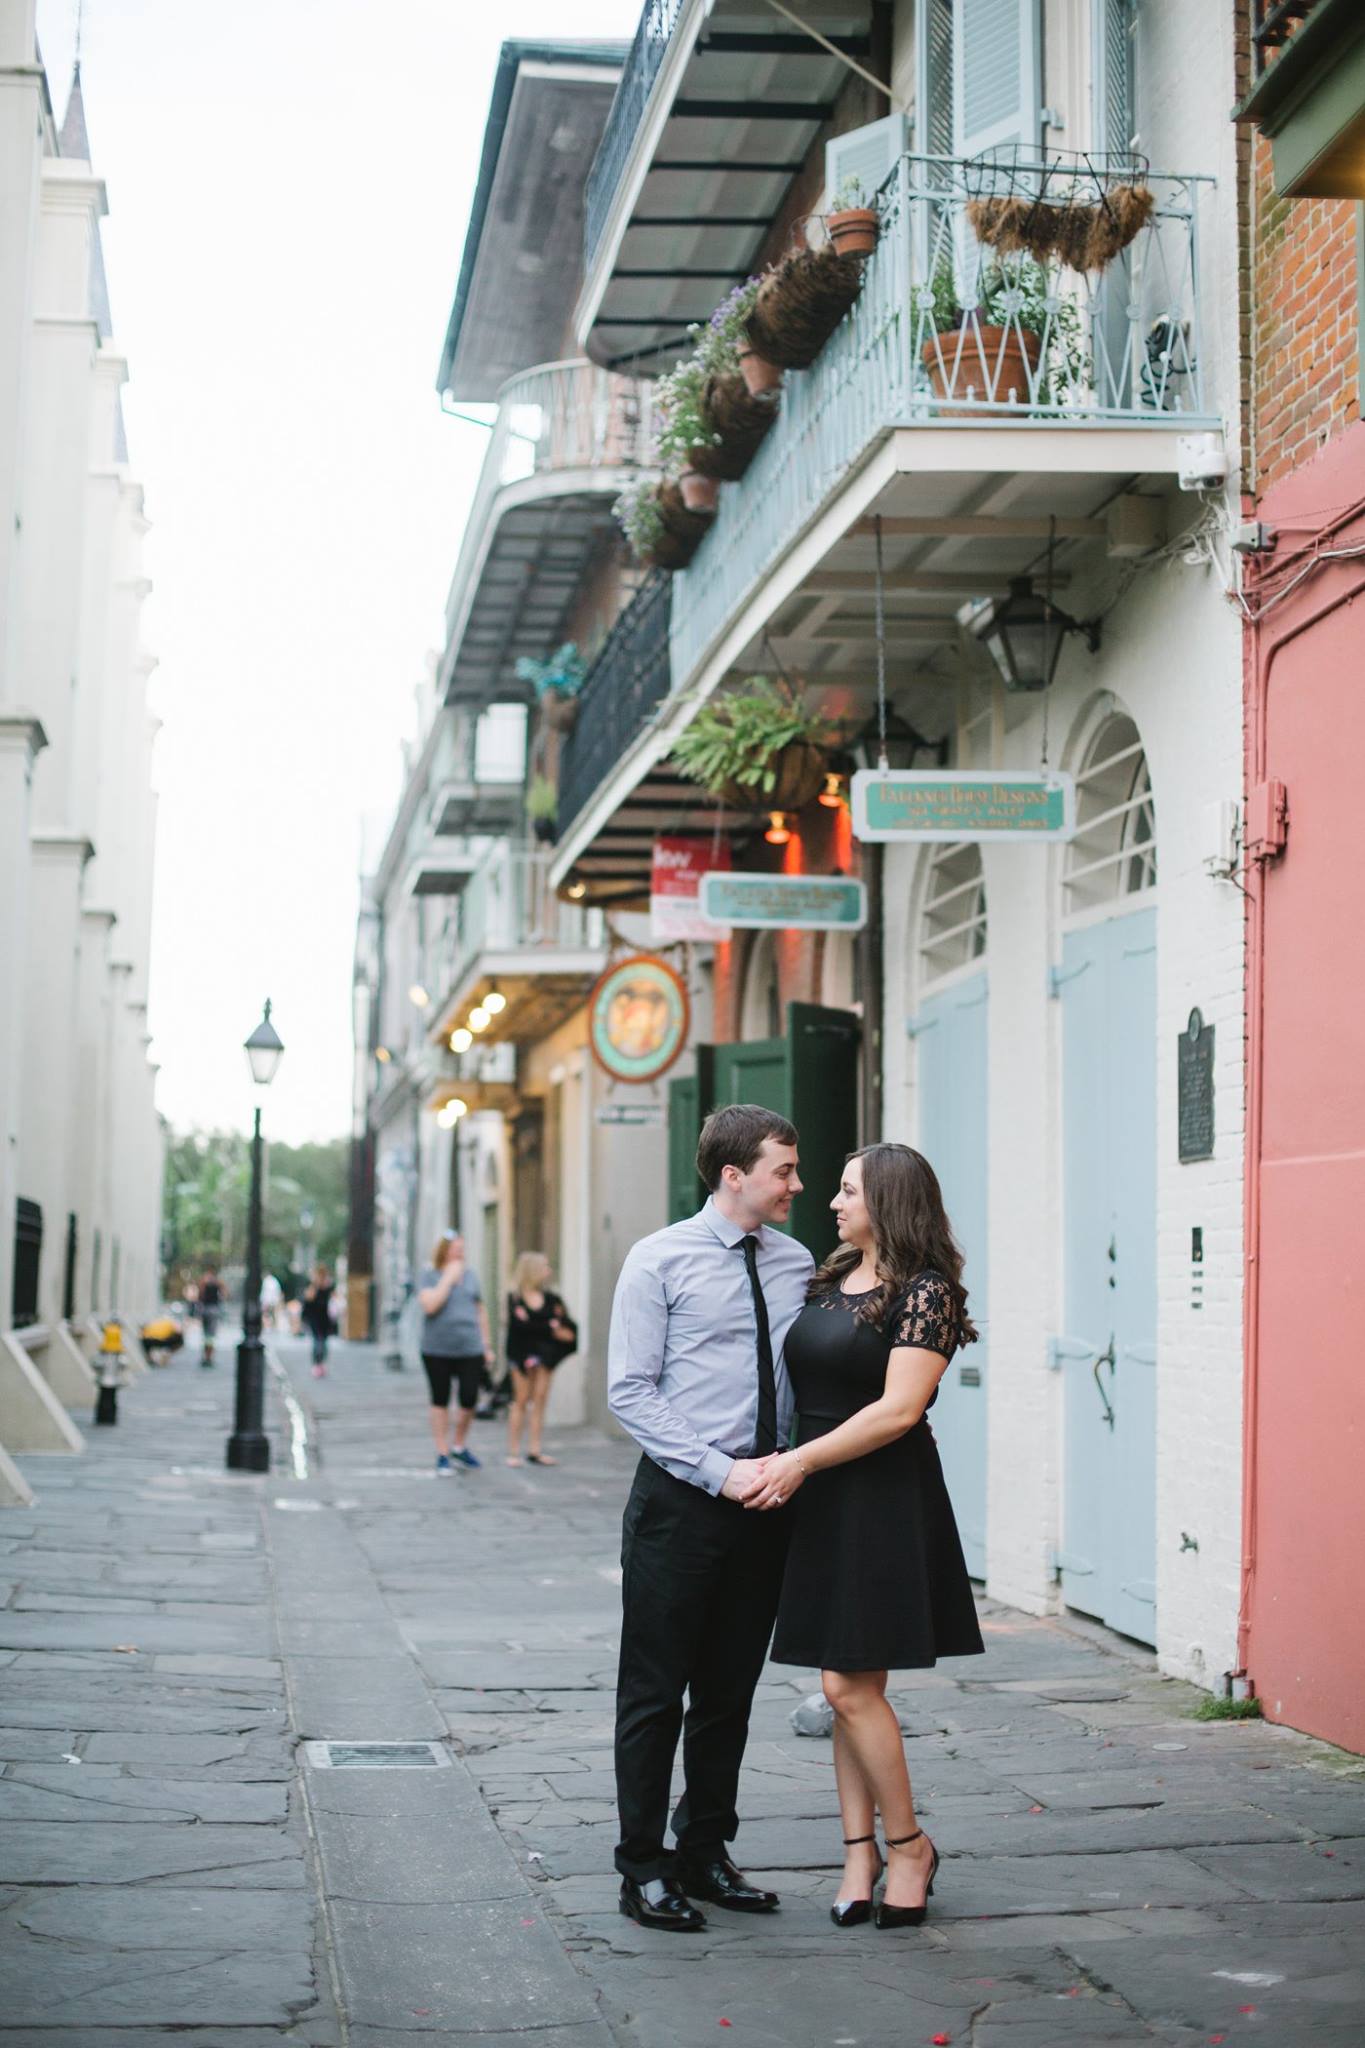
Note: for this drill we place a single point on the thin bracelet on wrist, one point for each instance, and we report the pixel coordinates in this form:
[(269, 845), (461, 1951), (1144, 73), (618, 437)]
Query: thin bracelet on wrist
[(805, 1468)]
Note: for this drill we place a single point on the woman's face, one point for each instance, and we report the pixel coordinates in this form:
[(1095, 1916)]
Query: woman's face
[(850, 1210), (454, 1252), (540, 1274)]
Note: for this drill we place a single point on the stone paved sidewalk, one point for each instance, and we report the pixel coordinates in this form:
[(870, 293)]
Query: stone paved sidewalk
[(1113, 1871)]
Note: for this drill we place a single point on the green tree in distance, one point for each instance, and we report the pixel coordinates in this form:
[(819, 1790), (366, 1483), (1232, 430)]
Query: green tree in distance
[(208, 1181)]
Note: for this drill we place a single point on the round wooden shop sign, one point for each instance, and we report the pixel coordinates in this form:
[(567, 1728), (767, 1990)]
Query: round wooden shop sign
[(638, 1017)]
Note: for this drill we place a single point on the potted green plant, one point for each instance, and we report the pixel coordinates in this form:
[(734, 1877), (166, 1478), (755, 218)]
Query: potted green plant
[(557, 682), (1020, 342), (685, 438), (756, 748), (724, 347), (853, 222), (741, 392), (542, 808)]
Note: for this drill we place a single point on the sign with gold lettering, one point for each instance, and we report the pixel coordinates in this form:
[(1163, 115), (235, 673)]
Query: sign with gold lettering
[(937, 805)]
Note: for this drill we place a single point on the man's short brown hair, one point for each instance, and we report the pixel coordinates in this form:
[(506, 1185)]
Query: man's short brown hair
[(734, 1135)]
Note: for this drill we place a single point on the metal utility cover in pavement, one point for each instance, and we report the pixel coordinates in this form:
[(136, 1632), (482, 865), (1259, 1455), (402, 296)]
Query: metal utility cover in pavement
[(376, 1756)]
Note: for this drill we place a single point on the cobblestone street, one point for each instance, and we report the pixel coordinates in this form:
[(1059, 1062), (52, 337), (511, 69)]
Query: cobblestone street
[(173, 1866)]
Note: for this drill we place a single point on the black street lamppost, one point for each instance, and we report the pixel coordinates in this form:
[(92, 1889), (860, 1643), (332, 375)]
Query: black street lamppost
[(248, 1447)]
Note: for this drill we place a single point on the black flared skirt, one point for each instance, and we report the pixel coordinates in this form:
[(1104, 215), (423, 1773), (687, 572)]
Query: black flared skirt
[(875, 1577)]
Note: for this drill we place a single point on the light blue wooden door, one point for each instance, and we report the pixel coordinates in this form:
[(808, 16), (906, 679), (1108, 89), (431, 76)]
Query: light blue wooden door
[(950, 1036), (1107, 1350)]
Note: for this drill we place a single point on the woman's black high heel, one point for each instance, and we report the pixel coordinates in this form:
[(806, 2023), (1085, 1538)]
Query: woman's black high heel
[(908, 1916), (853, 1912)]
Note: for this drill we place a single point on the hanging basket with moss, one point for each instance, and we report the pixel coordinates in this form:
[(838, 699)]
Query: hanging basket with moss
[(661, 532), (756, 748), (1084, 235), (800, 303)]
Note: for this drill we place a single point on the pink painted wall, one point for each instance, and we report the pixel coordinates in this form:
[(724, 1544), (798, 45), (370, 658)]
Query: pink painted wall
[(1303, 1639)]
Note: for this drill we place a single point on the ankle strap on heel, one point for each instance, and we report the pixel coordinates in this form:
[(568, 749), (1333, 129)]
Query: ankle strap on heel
[(901, 1841), (852, 1841)]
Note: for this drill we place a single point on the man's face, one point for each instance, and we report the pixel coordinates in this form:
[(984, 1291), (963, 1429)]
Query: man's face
[(768, 1188)]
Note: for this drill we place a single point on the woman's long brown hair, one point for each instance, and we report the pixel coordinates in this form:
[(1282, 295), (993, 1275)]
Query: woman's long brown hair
[(910, 1231)]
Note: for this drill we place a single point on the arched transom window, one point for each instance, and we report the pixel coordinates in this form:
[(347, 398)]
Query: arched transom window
[(952, 927), (1113, 854)]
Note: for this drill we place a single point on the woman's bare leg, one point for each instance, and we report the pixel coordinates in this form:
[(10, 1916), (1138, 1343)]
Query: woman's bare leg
[(540, 1396), (516, 1414), (872, 1732), (440, 1430), (859, 1816)]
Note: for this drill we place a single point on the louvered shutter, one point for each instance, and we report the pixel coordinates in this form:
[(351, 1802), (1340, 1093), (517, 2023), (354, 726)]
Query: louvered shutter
[(1112, 116), (934, 79), (997, 76), (868, 154)]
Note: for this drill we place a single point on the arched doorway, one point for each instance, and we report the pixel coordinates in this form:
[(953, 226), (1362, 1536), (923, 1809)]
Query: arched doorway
[(1107, 1352), (761, 1005), (949, 954)]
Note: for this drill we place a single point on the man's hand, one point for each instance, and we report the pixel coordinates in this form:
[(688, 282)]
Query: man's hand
[(745, 1477), (781, 1474)]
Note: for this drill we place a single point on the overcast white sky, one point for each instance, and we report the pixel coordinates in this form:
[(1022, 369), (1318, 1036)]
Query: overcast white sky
[(289, 184)]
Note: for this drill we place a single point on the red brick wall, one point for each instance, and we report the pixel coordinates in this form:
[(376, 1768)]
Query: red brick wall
[(1305, 324)]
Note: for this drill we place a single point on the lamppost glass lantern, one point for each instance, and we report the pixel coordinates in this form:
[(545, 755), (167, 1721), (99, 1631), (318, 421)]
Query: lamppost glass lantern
[(1023, 633), (248, 1448), (264, 1050)]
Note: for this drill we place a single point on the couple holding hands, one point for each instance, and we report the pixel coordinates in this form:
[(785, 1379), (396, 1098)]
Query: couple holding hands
[(723, 1333)]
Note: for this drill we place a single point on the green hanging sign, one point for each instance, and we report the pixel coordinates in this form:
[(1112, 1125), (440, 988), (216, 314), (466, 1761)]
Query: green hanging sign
[(937, 805)]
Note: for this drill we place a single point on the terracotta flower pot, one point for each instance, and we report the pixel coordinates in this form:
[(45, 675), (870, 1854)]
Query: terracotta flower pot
[(699, 493), (800, 776), (986, 363), (758, 373), (683, 531), (854, 232)]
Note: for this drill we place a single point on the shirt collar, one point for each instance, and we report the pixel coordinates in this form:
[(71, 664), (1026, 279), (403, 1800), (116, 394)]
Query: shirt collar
[(729, 1233)]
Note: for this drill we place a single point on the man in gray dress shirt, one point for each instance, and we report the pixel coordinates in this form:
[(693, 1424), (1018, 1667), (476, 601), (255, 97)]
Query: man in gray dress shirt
[(695, 1373)]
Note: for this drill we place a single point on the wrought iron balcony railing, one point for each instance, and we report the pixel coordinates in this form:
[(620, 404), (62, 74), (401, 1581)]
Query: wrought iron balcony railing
[(556, 418), (955, 329), (647, 52), (508, 907), (629, 679)]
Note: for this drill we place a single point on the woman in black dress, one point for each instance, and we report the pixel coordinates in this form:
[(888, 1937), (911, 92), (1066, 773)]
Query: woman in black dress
[(540, 1334), (875, 1579)]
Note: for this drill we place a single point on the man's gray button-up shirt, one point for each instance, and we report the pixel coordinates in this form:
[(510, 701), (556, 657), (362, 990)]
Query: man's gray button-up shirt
[(682, 1358)]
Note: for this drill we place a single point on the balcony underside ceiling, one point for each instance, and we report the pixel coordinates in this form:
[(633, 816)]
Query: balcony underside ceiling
[(615, 866), (699, 190), (542, 990), (441, 871), (948, 535), (543, 536), (477, 807)]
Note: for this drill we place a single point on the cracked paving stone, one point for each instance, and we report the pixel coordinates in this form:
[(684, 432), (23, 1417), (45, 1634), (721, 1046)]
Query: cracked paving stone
[(65, 1793)]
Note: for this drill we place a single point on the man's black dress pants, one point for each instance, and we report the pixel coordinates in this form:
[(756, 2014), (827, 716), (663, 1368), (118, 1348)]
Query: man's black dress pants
[(700, 1580)]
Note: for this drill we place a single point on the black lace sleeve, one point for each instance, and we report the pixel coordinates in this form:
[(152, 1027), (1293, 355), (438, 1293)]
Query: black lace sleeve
[(926, 1316)]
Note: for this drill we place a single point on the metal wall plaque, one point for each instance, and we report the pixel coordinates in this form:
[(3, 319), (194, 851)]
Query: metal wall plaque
[(1194, 1089)]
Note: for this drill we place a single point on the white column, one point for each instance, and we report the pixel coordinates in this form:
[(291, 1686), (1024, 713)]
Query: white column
[(51, 1049), (20, 739), (90, 1124), (21, 146)]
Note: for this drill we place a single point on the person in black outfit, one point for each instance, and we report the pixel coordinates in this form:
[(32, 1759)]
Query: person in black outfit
[(875, 1577), (317, 1316), (540, 1335)]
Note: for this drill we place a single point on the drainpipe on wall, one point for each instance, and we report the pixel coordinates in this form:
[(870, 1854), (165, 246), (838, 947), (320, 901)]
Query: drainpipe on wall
[(870, 979)]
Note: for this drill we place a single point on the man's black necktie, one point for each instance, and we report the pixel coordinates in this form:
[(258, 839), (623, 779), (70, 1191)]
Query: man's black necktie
[(765, 1438)]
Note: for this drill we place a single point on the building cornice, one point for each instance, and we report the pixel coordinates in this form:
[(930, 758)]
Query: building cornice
[(22, 730)]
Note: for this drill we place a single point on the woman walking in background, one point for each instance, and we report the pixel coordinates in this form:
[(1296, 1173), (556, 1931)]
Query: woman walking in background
[(540, 1332), (317, 1316), (456, 1346), (875, 1579)]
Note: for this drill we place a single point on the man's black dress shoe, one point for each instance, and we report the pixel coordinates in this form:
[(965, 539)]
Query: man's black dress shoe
[(659, 1903), (716, 1879)]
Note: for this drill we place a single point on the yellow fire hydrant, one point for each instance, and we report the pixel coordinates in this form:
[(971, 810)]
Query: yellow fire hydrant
[(111, 1361)]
